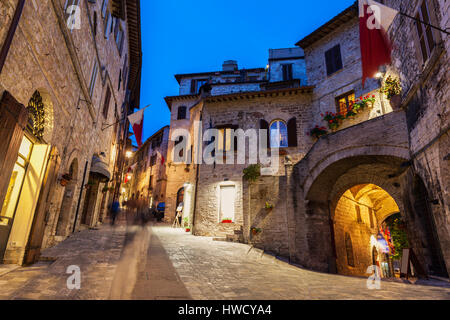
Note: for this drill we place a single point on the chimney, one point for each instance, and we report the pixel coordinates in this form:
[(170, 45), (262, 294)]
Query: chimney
[(230, 65)]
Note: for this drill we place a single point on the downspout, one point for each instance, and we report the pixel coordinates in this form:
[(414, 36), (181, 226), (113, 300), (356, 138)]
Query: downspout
[(10, 35), (196, 183), (79, 198)]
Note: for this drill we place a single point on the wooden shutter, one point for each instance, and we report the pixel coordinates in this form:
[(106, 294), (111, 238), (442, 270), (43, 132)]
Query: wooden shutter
[(292, 132), (13, 120), (264, 125), (337, 58), (329, 61)]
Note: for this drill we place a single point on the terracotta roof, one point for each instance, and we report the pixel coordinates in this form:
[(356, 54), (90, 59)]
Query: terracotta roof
[(332, 25)]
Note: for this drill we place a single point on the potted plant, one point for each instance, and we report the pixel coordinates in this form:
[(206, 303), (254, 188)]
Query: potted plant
[(252, 172), (227, 220), (317, 132), (255, 231), (186, 224), (334, 120), (269, 206), (392, 89)]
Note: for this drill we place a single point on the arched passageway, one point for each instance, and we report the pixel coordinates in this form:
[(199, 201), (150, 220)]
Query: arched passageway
[(348, 202), (362, 231)]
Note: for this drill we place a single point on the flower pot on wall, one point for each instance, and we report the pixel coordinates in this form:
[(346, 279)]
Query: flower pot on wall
[(396, 102)]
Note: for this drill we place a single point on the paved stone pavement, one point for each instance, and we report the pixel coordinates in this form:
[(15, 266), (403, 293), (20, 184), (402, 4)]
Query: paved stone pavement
[(158, 262)]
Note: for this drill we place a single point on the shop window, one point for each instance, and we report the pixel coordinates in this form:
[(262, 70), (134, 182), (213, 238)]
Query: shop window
[(16, 182)]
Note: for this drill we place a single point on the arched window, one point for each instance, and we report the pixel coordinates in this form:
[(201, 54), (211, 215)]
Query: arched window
[(278, 135), (182, 111), (36, 115), (349, 249)]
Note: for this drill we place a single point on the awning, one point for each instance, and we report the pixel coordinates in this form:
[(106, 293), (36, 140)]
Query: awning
[(101, 168)]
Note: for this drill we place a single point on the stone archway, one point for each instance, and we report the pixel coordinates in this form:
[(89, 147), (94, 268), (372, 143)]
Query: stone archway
[(388, 173), (65, 215)]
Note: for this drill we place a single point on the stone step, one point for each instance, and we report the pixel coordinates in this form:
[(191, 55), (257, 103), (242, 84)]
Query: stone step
[(219, 239)]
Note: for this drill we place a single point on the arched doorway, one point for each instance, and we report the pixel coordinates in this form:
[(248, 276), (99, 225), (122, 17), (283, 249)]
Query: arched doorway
[(65, 215)]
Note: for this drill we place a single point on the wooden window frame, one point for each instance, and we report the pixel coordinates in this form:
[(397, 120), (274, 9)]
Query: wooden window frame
[(347, 100)]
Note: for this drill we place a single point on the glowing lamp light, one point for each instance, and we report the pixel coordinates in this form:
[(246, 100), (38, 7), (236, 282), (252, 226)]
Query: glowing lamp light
[(378, 75), (129, 154)]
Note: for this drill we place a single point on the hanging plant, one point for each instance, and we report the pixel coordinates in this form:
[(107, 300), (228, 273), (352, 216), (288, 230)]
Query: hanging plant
[(391, 87), (317, 132), (334, 120), (252, 172)]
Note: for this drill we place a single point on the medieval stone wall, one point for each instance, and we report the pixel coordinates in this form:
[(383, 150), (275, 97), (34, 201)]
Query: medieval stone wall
[(47, 57)]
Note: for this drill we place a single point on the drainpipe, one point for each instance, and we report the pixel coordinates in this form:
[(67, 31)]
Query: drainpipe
[(196, 183), (10, 35), (79, 199)]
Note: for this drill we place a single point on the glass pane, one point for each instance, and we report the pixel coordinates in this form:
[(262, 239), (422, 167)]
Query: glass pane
[(278, 135), (342, 105), (25, 147), (21, 161), (13, 192)]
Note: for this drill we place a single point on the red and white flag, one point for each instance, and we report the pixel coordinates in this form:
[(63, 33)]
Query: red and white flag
[(374, 22), (137, 123)]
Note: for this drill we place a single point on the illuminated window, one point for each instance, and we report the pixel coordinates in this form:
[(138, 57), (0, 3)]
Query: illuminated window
[(278, 135), (344, 102), (224, 139), (15, 183)]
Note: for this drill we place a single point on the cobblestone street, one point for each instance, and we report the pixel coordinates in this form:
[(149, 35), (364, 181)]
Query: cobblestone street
[(159, 262)]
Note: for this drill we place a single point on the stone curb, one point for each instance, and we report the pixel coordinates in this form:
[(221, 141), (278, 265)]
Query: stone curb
[(5, 272)]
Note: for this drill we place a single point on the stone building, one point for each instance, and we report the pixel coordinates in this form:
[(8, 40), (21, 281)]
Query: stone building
[(148, 179), (70, 71), (334, 193)]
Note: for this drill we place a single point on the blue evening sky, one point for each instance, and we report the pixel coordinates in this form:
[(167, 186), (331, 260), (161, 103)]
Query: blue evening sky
[(187, 36)]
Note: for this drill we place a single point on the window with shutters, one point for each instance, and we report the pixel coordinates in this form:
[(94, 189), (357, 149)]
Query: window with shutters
[(153, 160), (108, 25), (107, 103), (345, 102), (278, 134), (119, 36), (287, 72), (333, 59), (425, 33), (292, 132)]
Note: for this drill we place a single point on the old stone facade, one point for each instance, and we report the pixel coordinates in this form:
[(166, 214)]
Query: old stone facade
[(77, 82), (148, 179), (325, 206)]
